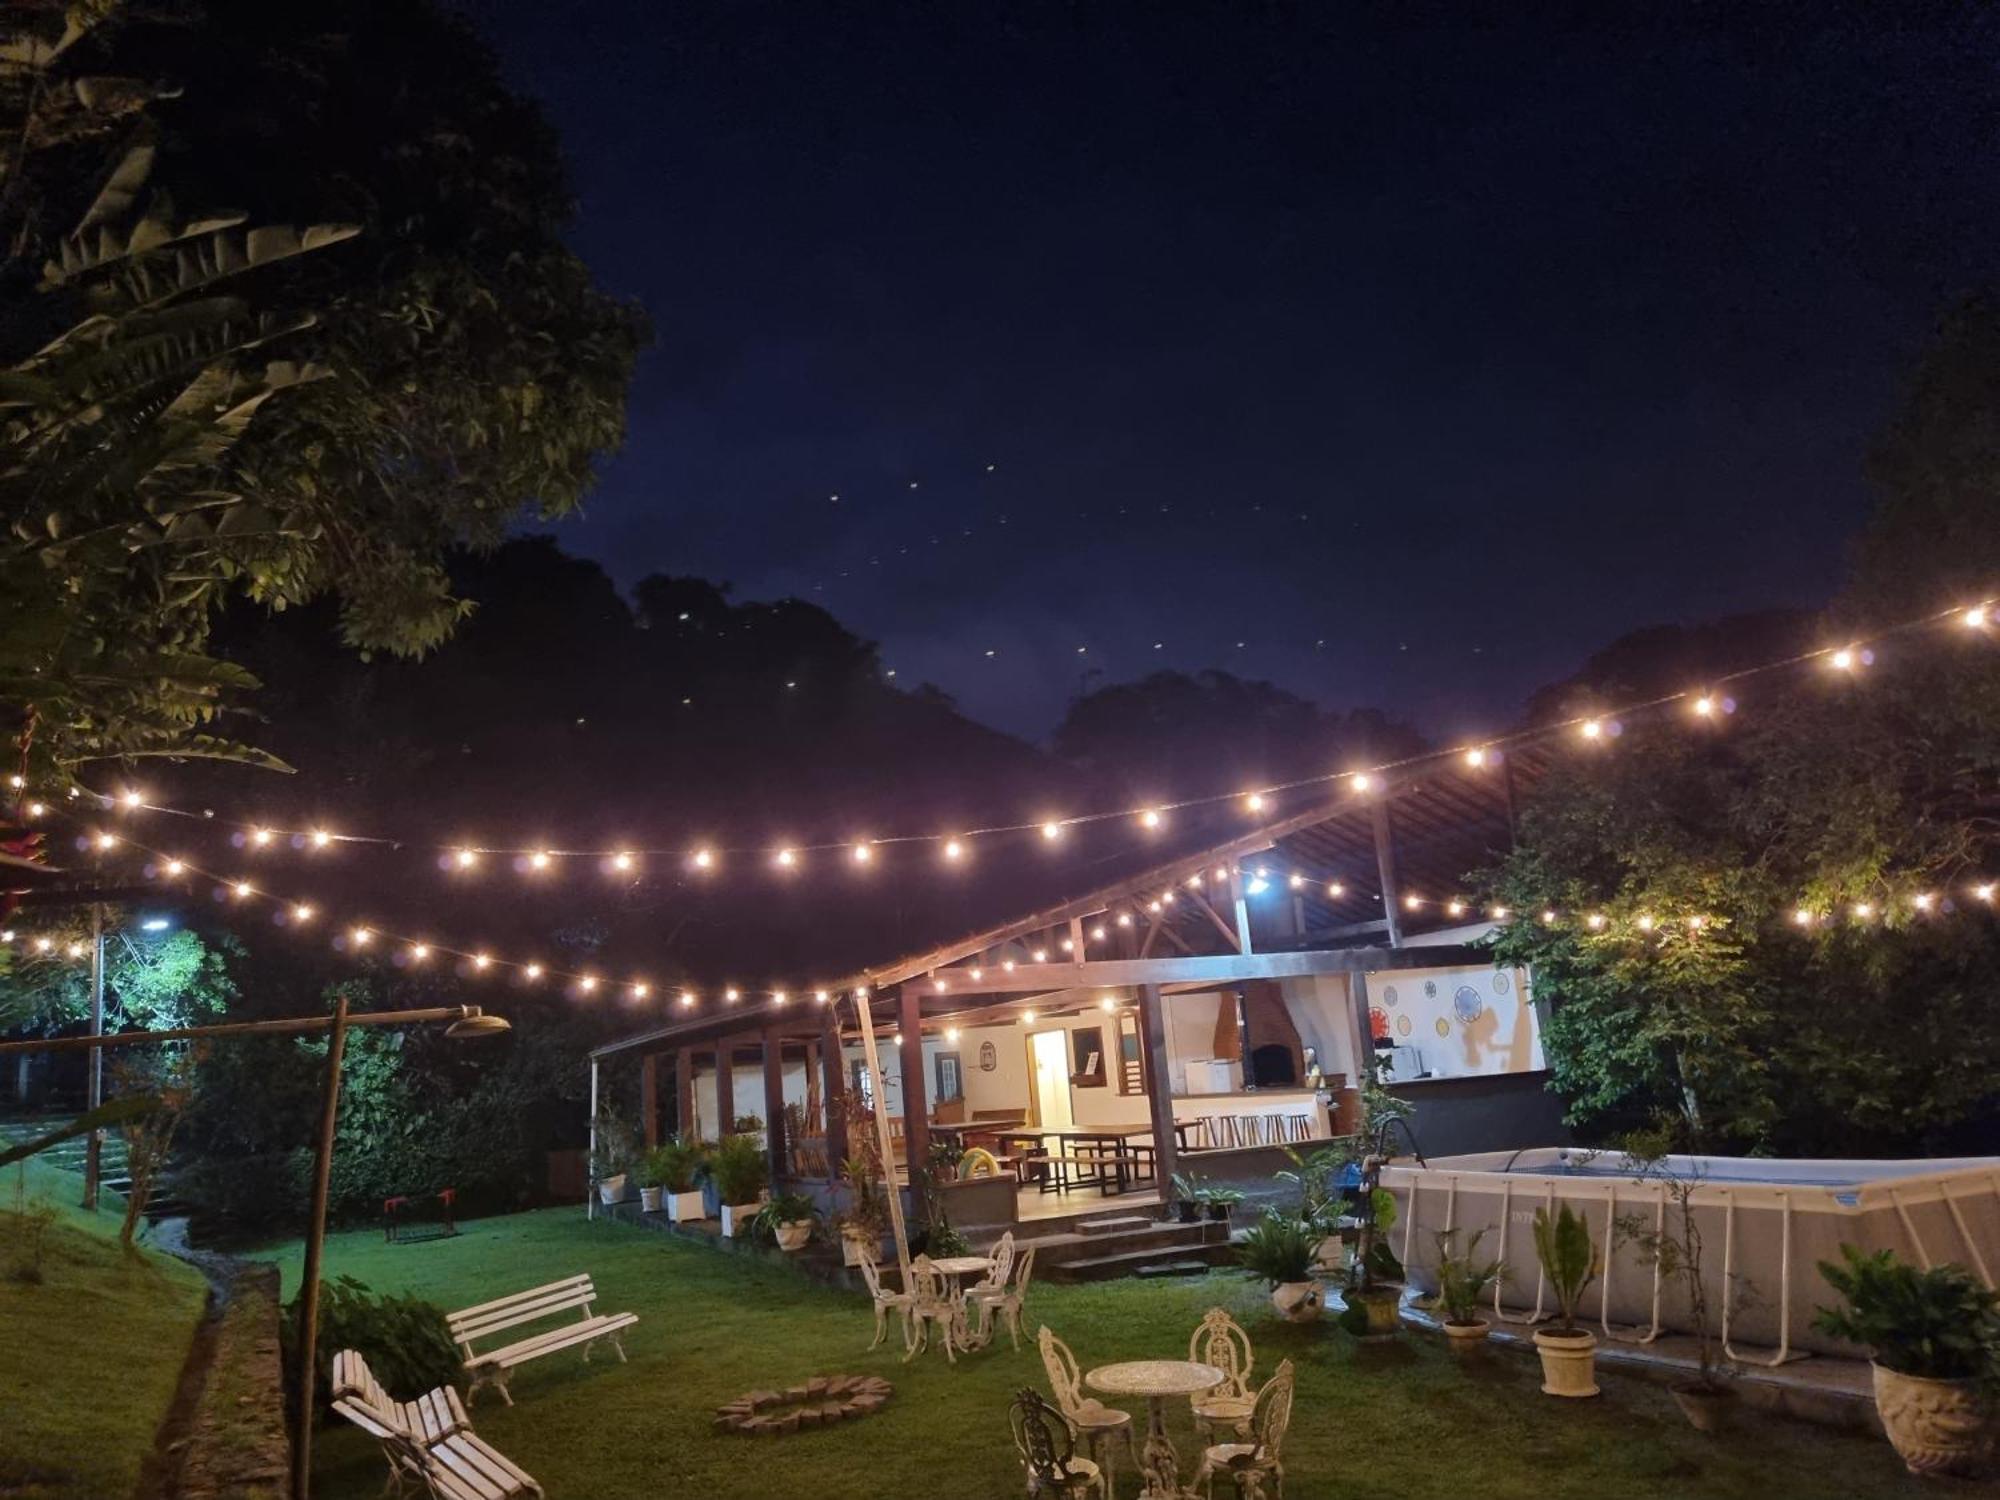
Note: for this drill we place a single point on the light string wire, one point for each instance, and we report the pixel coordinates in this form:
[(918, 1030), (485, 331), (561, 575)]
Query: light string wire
[(1476, 753)]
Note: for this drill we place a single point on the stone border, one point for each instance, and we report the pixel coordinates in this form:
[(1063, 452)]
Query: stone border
[(820, 1402)]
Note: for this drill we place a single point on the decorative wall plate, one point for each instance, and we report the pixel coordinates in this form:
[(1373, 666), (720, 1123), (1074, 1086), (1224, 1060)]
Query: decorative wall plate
[(1468, 1004)]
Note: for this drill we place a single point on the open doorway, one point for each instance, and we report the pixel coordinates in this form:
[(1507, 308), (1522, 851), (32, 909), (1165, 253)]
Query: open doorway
[(1048, 1051)]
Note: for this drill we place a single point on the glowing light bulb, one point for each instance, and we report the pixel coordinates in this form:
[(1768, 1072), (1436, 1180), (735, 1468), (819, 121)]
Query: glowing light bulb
[(38, 809), (1705, 706), (641, 990), (107, 841), (779, 997), (732, 994), (623, 860), (1548, 918), (539, 860), (43, 945), (1361, 781), (1052, 830), (1166, 898), (953, 849), (785, 859), (1027, 1018), (1097, 933), (1040, 955), (1922, 901), (1863, 911), (1007, 964), (978, 974), (1335, 888), (587, 984), (1254, 802), (1151, 818), (1195, 879), (1593, 729), (302, 913), (533, 971), (321, 838), (1844, 660), (1974, 618), (1068, 945), (482, 961), (75, 950), (1107, 1005), (1411, 903), (17, 782), (6, 935), (1124, 919), (1983, 892), (1595, 921), (862, 854), (261, 836), (1803, 917), (132, 799), (465, 859), (1696, 923), (1499, 913), (951, 1033), (1221, 873), (940, 984), (174, 867), (1297, 882), (241, 888), (687, 998), (1454, 908), (360, 937), (820, 997), (1645, 922)]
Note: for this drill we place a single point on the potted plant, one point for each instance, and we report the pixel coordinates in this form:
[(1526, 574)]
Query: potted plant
[(1462, 1280), (647, 1173), (1220, 1200), (790, 1219), (866, 1218), (611, 1153), (1372, 1305), (1316, 1176), (1672, 1245), (1935, 1340), (1281, 1249), (1569, 1261), (676, 1164), (1188, 1191), (741, 1174)]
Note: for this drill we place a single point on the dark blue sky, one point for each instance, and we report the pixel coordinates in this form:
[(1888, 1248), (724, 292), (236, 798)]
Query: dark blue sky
[(1419, 349)]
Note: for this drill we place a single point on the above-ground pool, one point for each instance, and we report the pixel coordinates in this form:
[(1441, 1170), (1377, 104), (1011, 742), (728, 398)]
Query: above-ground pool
[(1764, 1225)]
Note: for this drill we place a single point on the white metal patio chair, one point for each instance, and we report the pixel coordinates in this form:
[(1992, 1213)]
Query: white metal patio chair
[(885, 1302), (1099, 1426), (1249, 1464), (931, 1304), (1047, 1446), (1007, 1299), (1219, 1340)]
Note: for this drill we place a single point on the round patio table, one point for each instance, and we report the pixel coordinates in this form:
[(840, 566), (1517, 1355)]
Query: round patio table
[(954, 1268), (1156, 1380)]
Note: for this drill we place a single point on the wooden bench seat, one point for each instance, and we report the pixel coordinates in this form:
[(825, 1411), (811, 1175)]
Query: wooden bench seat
[(429, 1440), (574, 1294)]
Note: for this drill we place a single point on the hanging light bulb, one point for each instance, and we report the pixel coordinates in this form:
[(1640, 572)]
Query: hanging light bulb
[(1454, 908), (641, 990), (107, 841), (482, 961), (1097, 933), (1704, 706), (1052, 830), (778, 997), (820, 997), (1974, 618), (732, 994), (1361, 781), (1411, 903), (1803, 917), (174, 867), (1254, 802), (43, 944), (1154, 906), (587, 984), (1027, 1018), (1040, 955), (786, 859), (1297, 882), (420, 951), (1335, 889), (1697, 922), (1151, 818), (863, 853), (1645, 921), (1863, 911), (261, 836), (978, 974), (359, 937), (951, 1033), (241, 889), (465, 859), (941, 985), (1923, 901), (1499, 913), (1592, 729), (1007, 964), (1067, 945), (1595, 921), (1548, 917), (38, 809), (132, 799), (687, 999), (539, 860), (302, 913), (321, 838), (1167, 897), (1984, 892), (1124, 919), (533, 971), (623, 860), (953, 849), (75, 950)]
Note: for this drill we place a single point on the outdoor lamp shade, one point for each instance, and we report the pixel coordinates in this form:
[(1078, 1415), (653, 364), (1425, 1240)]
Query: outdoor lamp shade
[(478, 1025)]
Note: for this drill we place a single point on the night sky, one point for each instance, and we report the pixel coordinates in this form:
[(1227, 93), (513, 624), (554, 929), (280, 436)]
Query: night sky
[(1394, 355)]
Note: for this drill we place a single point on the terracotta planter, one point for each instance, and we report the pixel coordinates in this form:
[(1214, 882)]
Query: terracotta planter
[(793, 1235), (649, 1200), (1935, 1426), (686, 1208), (1298, 1301), (612, 1189), (1707, 1408), (1464, 1336), (1569, 1362)]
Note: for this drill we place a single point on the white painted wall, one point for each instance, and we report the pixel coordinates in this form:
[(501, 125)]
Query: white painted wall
[(1321, 1007), (748, 1082), (1458, 1023)]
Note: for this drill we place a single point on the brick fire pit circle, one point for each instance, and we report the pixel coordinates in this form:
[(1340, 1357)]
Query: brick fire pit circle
[(820, 1402)]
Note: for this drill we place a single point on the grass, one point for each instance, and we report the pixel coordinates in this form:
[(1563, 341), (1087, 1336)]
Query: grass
[(1404, 1421), (90, 1355)]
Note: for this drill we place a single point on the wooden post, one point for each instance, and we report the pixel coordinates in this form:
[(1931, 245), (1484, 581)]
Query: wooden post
[(725, 1088), (916, 1092), (649, 1098), (329, 1110), (1237, 899), (1385, 866), (684, 1091), (884, 1138), (833, 1089), (1159, 1086), (774, 1101)]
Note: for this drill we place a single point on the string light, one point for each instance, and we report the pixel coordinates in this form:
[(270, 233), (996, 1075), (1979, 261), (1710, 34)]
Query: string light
[(533, 971), (1984, 892), (359, 937), (1974, 618), (466, 859), (321, 838), (132, 799), (539, 860), (862, 854), (242, 890), (1040, 955), (1499, 913), (1454, 908), (953, 849), (1361, 781), (820, 997), (75, 950), (623, 860), (1411, 903), (107, 841), (1548, 919), (1028, 1017), (38, 809), (482, 961), (1705, 706), (1107, 1005), (779, 997), (1696, 923), (1151, 818), (260, 837), (1254, 802), (1335, 889), (1922, 900), (1595, 921), (1863, 911), (786, 859), (951, 1033), (1645, 923), (1051, 830), (732, 994), (420, 951), (43, 944), (1592, 729), (587, 984), (641, 991), (1297, 882), (174, 867), (1803, 917), (1476, 757), (302, 912)]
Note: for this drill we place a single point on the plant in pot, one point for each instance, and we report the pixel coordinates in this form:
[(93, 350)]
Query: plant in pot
[(1220, 1200), (613, 1150), (1189, 1195), (1569, 1262), (1935, 1340), (676, 1165), (741, 1174), (1671, 1243), (646, 1173), (1372, 1304), (1462, 1280), (789, 1218), (1317, 1178), (866, 1218), (1281, 1250)]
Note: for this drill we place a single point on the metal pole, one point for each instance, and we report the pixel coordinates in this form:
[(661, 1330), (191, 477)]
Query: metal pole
[(93, 1155), (329, 1109), (590, 1162)]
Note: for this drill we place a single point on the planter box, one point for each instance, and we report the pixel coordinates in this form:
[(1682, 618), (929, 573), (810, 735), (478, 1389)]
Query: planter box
[(736, 1219), (686, 1208)]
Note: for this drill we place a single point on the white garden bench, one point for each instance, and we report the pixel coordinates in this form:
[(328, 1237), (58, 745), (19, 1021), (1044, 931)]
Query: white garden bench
[(429, 1440), (491, 1366)]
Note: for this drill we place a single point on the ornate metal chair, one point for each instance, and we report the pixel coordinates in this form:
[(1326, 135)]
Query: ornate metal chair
[(1007, 1297), (1221, 1341), (885, 1300), (930, 1303), (1048, 1450), (1098, 1425), (1249, 1464)]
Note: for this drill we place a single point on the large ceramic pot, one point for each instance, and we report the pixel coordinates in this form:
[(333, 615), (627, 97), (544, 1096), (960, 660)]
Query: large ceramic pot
[(649, 1199), (1381, 1308), (612, 1189), (1462, 1337), (1569, 1362), (1298, 1301), (794, 1234), (1935, 1426)]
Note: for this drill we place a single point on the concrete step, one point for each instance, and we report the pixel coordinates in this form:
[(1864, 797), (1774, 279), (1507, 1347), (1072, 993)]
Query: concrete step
[(1148, 1241), (1115, 1224), (1188, 1260)]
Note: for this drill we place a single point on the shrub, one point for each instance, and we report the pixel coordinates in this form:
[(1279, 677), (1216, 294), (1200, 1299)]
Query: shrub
[(739, 1169), (406, 1340), (1569, 1258), (672, 1165), (1279, 1249), (1939, 1324)]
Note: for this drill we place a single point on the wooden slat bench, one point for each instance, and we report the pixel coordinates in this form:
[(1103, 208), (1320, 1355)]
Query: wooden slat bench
[(491, 1366), (429, 1440)]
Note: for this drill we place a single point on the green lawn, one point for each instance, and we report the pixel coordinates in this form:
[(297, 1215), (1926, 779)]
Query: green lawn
[(1398, 1423), (90, 1356)]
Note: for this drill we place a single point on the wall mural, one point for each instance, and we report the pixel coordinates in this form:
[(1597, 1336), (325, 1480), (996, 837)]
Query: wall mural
[(1466, 1023)]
